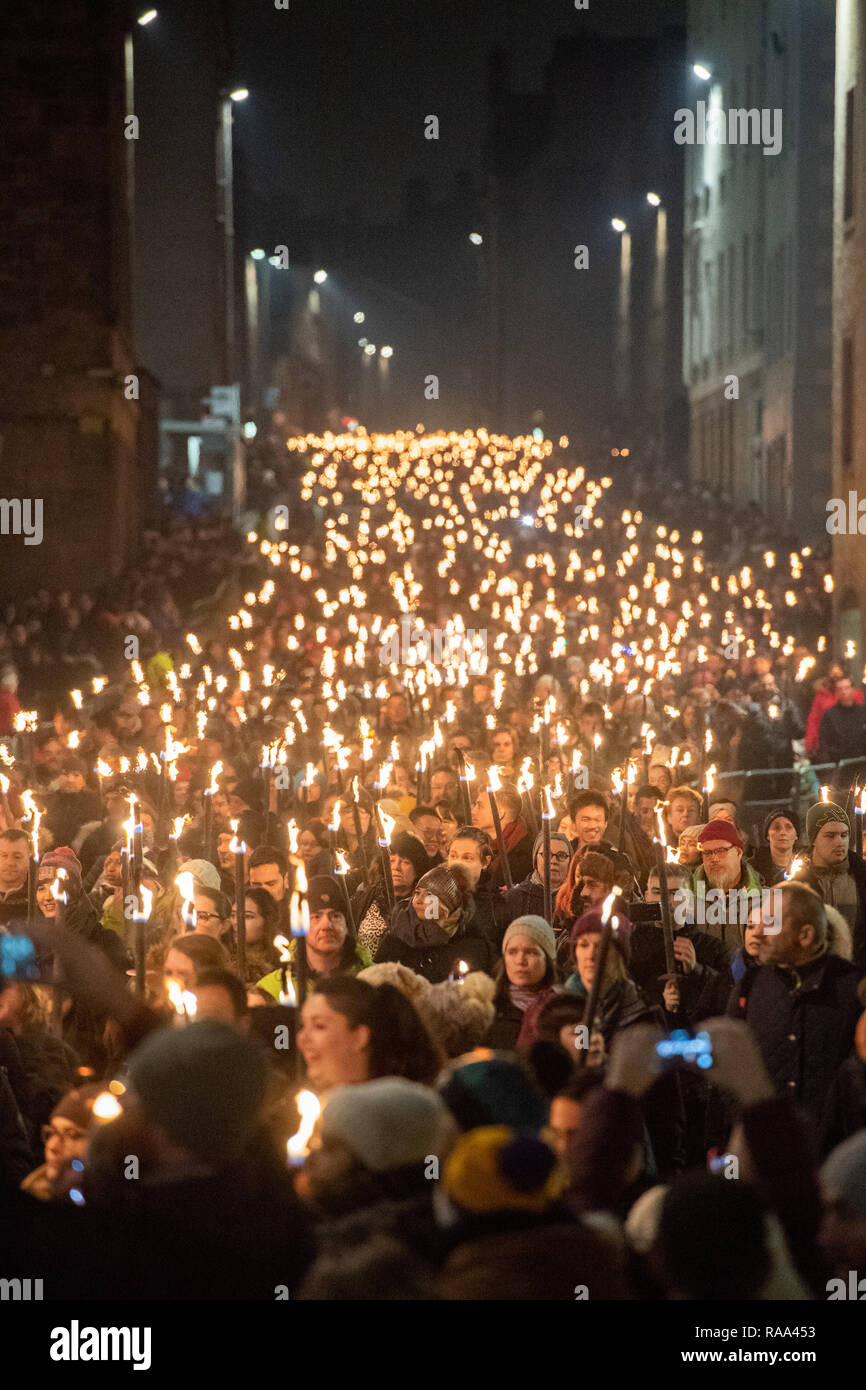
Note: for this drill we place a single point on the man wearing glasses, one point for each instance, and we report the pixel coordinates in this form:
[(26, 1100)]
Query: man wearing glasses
[(724, 886)]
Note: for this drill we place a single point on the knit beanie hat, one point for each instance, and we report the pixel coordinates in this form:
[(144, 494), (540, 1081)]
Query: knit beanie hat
[(721, 830), (554, 835), (60, 858), (77, 1106), (387, 1123), (493, 1091), (410, 847), (788, 815), (537, 929), (203, 1084), (821, 814), (324, 892), (496, 1168), (591, 922), (204, 873), (450, 888)]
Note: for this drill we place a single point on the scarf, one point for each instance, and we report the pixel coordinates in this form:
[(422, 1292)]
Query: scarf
[(522, 996), (512, 834)]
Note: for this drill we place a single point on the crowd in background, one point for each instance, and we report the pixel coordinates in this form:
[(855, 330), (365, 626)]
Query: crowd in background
[(496, 1122)]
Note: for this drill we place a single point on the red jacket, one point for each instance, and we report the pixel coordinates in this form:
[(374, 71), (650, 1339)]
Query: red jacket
[(820, 705), (9, 707)]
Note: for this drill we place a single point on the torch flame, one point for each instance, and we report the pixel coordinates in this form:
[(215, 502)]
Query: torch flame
[(309, 1110), (607, 905), (387, 822)]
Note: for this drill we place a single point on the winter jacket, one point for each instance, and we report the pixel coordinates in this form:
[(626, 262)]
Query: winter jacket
[(762, 862), (824, 700), (13, 905), (437, 962), (513, 1028), (621, 1005), (857, 869), (699, 989), (842, 734), (525, 898), (68, 811), (273, 981), (51, 1068), (845, 1111), (521, 1256), (804, 1021), (730, 932), (490, 918)]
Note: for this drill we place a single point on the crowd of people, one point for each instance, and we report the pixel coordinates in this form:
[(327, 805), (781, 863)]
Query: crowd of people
[(334, 967)]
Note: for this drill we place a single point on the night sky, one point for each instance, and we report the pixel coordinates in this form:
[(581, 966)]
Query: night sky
[(334, 123)]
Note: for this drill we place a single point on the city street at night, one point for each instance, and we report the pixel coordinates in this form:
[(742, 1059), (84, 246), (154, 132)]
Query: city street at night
[(432, 674)]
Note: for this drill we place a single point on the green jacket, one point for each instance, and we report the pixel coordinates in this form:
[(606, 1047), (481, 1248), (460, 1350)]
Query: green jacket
[(273, 982)]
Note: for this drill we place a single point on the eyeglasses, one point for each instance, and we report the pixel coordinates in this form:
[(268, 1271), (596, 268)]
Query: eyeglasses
[(716, 853), (559, 858), (71, 1136), (207, 916)]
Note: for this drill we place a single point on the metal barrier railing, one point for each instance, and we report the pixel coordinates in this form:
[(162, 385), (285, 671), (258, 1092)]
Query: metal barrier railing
[(799, 787)]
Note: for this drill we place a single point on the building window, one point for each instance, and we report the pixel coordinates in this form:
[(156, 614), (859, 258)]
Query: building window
[(849, 155), (847, 402)]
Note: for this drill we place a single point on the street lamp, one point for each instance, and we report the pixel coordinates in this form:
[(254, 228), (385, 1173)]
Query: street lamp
[(370, 349), (359, 317), (476, 238), (701, 71), (654, 199), (239, 94), (618, 224), (320, 277), (147, 17), (258, 254), (387, 352)]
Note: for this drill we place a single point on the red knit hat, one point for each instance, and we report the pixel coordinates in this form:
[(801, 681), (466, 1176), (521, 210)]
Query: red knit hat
[(721, 830), (591, 922), (60, 858)]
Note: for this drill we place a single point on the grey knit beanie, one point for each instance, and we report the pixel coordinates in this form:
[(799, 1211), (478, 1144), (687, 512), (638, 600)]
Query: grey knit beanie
[(387, 1123), (822, 813), (537, 930)]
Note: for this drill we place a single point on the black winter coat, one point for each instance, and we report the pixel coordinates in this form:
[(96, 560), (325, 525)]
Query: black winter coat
[(435, 961), (699, 988), (526, 898), (804, 1023)]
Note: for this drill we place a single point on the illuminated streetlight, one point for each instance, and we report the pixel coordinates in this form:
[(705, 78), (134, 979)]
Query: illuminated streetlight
[(258, 254), (362, 342), (618, 224), (239, 94), (274, 260), (654, 199), (370, 349), (320, 277), (702, 72), (476, 238), (146, 17), (359, 317), (387, 352)]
